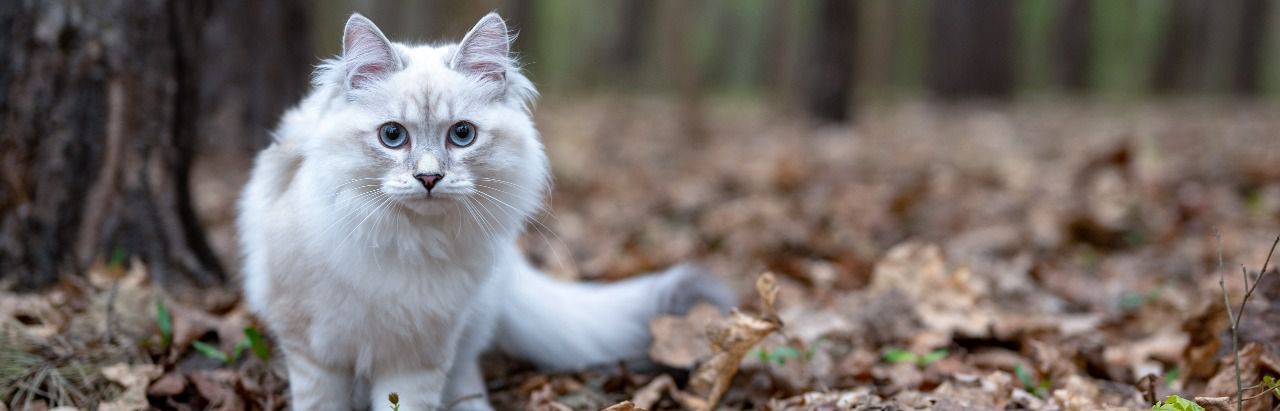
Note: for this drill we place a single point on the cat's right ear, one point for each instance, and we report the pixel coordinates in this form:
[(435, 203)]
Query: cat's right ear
[(367, 55)]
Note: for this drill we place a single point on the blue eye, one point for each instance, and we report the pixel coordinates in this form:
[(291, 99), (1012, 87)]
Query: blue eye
[(393, 135), (462, 134)]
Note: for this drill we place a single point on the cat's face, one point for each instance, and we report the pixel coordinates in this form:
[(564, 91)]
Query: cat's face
[(432, 130)]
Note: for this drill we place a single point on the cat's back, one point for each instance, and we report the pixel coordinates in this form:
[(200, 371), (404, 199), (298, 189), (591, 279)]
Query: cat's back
[(264, 219)]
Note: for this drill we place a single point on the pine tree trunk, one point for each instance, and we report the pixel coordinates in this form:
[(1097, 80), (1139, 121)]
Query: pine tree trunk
[(101, 106)]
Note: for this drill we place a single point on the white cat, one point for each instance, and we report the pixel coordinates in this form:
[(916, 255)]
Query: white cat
[(379, 233)]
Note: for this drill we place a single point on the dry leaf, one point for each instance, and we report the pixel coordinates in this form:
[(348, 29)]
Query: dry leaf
[(219, 387), (544, 399), (730, 342), (624, 406), (1255, 360), (842, 400), (681, 342), (1217, 403), (172, 383), (135, 379), (649, 395)]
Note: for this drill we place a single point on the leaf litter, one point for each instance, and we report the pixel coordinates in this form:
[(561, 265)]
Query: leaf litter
[(1049, 256)]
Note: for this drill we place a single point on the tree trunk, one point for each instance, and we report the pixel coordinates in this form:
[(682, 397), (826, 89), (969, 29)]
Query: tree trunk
[(1180, 64), (778, 58), (830, 88), (1251, 35), (102, 103), (1072, 36), (971, 52)]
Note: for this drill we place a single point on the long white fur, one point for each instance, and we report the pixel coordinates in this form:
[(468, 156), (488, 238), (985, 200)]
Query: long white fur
[(365, 280)]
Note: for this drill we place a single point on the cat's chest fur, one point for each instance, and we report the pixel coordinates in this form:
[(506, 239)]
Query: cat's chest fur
[(377, 293)]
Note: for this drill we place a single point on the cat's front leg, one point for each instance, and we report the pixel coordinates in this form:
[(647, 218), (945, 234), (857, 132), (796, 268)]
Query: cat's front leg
[(466, 389), (314, 386), (418, 390)]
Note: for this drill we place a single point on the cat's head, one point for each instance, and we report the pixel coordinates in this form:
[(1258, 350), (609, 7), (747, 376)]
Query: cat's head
[(430, 130)]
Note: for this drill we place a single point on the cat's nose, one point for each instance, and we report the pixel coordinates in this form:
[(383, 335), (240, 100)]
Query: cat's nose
[(429, 180)]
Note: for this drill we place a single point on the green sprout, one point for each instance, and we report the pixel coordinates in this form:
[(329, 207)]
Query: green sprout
[(898, 356), (1176, 403), (165, 321)]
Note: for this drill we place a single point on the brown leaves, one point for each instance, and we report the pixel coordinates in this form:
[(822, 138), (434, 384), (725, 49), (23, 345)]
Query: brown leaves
[(1255, 361), (134, 379), (730, 342), (682, 341)]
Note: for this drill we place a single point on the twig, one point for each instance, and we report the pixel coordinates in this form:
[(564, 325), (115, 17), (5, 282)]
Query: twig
[(111, 313), (1249, 288), (1231, 317), (1234, 318)]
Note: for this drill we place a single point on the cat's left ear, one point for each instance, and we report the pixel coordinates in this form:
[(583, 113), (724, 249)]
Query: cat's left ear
[(486, 50)]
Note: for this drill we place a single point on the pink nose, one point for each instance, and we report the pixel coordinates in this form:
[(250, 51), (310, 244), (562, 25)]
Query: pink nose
[(429, 180)]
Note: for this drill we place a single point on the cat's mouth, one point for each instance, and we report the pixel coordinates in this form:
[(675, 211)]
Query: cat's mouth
[(431, 203)]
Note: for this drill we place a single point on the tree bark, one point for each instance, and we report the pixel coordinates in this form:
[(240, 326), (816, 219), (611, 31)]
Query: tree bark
[(102, 105), (830, 87), (971, 52)]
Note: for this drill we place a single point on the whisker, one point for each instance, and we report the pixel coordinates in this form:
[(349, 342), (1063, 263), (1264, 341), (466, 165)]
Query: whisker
[(363, 201), (540, 227), (339, 192), (480, 220), (386, 200), (542, 208)]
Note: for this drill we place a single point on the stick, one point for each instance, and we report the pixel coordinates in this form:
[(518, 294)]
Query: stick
[(1235, 318), (1226, 301)]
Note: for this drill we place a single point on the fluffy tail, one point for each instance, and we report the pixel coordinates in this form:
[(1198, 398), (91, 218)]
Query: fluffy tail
[(565, 325)]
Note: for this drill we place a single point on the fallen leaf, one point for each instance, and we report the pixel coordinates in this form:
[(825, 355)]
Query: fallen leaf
[(544, 399), (624, 406), (1255, 361), (134, 379), (219, 387), (842, 400), (172, 383), (730, 342), (681, 342), (1217, 403), (650, 393)]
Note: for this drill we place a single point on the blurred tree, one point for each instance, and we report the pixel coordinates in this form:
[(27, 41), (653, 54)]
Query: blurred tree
[(629, 42), (971, 52), (778, 57), (684, 67), (255, 61), (1180, 65), (102, 104), (1252, 25), (1073, 35), (830, 86)]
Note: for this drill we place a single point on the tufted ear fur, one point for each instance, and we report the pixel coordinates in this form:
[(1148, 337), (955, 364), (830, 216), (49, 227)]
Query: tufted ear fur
[(367, 55), (486, 50)]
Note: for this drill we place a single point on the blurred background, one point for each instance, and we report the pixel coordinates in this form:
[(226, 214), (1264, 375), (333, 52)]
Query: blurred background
[(826, 57), (841, 126), (999, 181)]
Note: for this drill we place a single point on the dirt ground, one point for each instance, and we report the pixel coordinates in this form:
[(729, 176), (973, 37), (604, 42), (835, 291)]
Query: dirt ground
[(1049, 255)]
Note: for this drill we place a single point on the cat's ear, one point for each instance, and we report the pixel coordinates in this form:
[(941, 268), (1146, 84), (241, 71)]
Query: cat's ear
[(367, 55), (486, 50)]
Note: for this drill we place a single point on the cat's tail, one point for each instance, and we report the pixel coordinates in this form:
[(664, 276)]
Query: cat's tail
[(562, 325)]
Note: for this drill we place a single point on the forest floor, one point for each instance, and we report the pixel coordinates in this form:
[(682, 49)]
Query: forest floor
[(1044, 256)]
